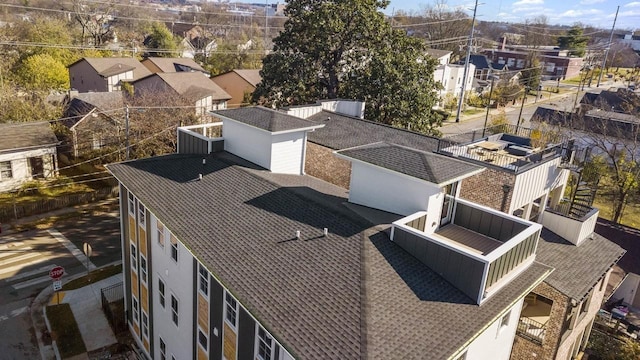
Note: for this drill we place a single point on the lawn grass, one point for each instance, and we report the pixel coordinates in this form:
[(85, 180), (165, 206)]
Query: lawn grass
[(94, 276), (65, 331), (630, 214)]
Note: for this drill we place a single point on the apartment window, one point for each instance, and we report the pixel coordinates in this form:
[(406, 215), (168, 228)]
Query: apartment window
[(145, 325), (174, 248), (265, 345), (142, 212), (519, 63), (143, 268), (202, 339), (135, 309), (161, 292), (160, 234), (134, 258), (132, 204), (174, 309), (163, 350), (231, 309), (5, 170), (203, 280)]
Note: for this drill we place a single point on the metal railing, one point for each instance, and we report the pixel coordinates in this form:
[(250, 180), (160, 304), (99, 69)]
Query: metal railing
[(531, 330), (112, 298)]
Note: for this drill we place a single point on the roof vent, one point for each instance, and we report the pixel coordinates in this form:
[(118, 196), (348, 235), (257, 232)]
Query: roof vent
[(328, 118), (298, 234), (204, 161), (326, 232), (199, 176)]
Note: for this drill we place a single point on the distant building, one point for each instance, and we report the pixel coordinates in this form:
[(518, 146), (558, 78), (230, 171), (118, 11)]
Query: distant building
[(450, 75), (171, 65), (104, 74), (239, 83)]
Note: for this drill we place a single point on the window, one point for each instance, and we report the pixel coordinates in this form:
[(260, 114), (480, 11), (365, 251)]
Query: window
[(519, 63), (231, 309), (202, 339), (174, 309), (163, 350), (145, 325), (265, 345), (174, 248), (135, 309), (132, 204), (160, 234), (143, 268), (142, 212), (134, 258), (5, 170), (203, 280), (161, 292)]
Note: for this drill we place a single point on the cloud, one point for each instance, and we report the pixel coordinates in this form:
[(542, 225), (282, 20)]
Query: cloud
[(591, 2), (579, 13), (633, 4), (527, 2)]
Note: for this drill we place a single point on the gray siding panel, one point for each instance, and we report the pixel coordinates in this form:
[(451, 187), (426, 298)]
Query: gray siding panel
[(189, 144), (485, 223), (246, 335), (216, 313), (124, 239), (460, 270), (194, 308)]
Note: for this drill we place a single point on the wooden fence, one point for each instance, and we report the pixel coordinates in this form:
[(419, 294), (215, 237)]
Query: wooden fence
[(11, 212)]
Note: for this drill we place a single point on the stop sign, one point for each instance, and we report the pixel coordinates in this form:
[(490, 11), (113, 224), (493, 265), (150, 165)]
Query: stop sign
[(56, 272)]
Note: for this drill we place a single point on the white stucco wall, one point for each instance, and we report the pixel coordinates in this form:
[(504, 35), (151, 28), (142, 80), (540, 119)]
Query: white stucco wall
[(20, 168), (178, 279), (247, 142), (287, 153), (496, 341), (389, 191)]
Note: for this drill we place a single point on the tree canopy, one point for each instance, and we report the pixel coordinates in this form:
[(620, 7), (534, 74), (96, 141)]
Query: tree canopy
[(574, 41), (346, 49), (161, 40)]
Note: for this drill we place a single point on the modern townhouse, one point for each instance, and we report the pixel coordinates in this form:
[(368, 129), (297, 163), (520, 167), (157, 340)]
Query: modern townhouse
[(231, 251)]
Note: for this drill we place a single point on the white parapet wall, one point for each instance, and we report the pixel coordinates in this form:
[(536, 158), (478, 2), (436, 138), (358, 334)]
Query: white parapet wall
[(573, 230)]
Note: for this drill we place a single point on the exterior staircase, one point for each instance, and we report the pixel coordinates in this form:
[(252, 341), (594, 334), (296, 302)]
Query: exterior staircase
[(587, 182)]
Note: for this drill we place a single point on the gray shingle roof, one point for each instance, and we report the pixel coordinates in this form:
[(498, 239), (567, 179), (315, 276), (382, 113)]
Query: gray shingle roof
[(26, 135), (267, 119), (431, 167), (171, 65), (341, 132), (193, 85), (351, 295), (112, 66), (577, 268)]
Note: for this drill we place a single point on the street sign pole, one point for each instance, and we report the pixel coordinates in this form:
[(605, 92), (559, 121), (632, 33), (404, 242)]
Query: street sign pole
[(55, 274), (87, 251)]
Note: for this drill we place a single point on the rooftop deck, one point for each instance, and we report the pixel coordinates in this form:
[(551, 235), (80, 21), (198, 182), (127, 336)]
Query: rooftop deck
[(468, 239)]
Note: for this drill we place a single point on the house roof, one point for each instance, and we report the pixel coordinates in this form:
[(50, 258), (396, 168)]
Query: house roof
[(480, 61), (252, 76), (622, 100), (577, 268), (108, 103), (111, 66), (268, 119), (193, 85), (338, 296), (171, 65), (437, 53), (423, 165), (628, 238), (342, 132), (26, 135)]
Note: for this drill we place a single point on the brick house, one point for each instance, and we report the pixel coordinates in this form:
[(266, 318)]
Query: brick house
[(555, 63)]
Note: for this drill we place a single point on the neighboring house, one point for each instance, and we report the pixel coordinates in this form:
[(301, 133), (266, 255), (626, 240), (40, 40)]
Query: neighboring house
[(27, 152), (522, 178), (171, 65), (194, 87), (95, 120), (239, 83), (484, 67), (104, 74), (555, 63), (229, 250), (630, 40), (450, 76), (186, 49)]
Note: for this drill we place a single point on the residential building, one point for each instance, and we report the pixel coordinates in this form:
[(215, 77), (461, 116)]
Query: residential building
[(556, 64), (194, 87), (104, 74), (229, 250), (485, 68), (239, 83), (27, 152), (525, 176), (450, 76), (171, 65), (96, 120), (630, 40)]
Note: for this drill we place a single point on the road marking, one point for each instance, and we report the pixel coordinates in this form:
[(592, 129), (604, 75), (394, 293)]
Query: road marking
[(14, 259), (12, 252), (41, 271), (11, 245), (31, 282), (72, 249), (13, 313), (12, 269)]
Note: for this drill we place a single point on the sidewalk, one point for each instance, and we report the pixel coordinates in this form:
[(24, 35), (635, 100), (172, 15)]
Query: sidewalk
[(86, 306)]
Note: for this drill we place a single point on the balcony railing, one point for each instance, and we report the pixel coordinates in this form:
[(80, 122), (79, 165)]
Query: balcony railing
[(531, 330)]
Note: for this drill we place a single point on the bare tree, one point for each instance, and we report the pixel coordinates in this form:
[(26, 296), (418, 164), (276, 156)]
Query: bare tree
[(95, 20), (445, 27), (537, 32)]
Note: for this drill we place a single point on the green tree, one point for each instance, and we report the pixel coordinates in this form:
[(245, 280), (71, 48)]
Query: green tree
[(531, 75), (43, 72), (574, 41), (346, 49), (161, 40)]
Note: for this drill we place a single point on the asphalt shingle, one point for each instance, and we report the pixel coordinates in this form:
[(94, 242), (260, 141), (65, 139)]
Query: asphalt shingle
[(26, 135), (267, 119)]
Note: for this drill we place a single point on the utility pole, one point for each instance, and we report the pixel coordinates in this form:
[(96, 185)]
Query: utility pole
[(486, 117), (126, 130), (524, 96), (606, 52), (466, 63)]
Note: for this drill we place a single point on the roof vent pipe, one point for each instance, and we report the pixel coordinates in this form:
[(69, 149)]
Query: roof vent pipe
[(199, 176), (204, 161), (326, 232), (298, 234)]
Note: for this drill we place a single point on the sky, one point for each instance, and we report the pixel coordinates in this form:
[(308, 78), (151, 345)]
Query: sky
[(598, 13)]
